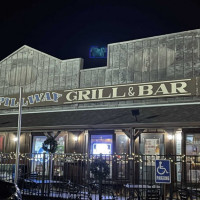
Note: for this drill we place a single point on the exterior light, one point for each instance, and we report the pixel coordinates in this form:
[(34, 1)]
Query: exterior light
[(75, 138), (170, 136), (15, 139)]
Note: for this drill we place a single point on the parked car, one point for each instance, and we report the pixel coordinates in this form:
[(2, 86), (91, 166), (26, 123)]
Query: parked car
[(9, 191)]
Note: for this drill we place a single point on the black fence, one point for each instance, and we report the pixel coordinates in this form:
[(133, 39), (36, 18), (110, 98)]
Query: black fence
[(82, 176)]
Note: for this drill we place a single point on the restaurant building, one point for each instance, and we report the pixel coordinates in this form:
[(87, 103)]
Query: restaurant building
[(145, 101)]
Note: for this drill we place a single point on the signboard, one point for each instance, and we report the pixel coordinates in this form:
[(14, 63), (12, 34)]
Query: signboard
[(98, 52), (162, 171), (151, 147), (184, 87)]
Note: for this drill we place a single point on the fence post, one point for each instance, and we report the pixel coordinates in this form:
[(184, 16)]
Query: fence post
[(100, 179), (50, 172), (43, 174), (51, 166), (87, 158)]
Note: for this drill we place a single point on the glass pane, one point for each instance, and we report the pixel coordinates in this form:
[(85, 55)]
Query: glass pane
[(121, 143), (193, 157), (37, 144), (37, 150), (58, 169), (61, 144), (193, 144)]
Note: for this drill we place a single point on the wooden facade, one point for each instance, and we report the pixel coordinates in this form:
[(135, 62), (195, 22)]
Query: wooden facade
[(156, 59)]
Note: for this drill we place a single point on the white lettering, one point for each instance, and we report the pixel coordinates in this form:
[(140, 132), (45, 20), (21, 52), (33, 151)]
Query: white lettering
[(115, 94), (163, 178), (161, 89), (101, 94), (83, 95), (145, 90), (71, 96), (178, 87), (94, 94)]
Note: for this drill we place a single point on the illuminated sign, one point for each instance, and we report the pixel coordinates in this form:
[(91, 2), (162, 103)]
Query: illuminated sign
[(104, 148), (184, 87), (98, 52)]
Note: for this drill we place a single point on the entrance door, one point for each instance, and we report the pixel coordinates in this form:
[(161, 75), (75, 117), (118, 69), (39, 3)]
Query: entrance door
[(151, 146)]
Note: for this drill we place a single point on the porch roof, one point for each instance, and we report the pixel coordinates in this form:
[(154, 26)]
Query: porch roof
[(149, 117)]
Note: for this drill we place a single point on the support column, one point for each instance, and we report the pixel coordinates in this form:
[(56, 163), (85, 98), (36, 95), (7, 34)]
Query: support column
[(131, 153), (132, 141), (18, 136)]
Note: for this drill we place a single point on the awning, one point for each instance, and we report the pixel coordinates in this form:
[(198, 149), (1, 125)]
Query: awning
[(148, 117)]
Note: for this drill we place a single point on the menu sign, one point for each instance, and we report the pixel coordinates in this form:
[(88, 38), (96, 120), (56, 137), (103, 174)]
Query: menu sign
[(152, 148)]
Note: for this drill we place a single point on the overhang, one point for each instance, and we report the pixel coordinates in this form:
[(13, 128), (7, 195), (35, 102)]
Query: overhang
[(144, 117)]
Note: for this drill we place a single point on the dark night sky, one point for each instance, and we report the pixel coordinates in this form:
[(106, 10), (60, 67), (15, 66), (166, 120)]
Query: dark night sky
[(66, 29)]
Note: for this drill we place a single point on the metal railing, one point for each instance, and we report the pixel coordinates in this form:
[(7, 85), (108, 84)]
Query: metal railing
[(70, 176)]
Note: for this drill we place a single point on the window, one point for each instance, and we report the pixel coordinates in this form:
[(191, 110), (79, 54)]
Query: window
[(193, 144), (122, 143), (193, 157), (37, 150), (38, 141), (37, 144), (61, 144)]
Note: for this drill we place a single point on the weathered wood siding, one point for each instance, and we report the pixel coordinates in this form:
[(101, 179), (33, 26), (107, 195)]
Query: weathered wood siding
[(167, 57), (10, 144), (37, 72)]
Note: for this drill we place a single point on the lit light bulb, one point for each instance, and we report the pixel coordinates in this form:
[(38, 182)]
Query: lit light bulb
[(15, 139), (170, 137)]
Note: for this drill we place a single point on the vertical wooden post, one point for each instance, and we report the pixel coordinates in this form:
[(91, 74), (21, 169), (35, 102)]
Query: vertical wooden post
[(88, 155), (131, 152)]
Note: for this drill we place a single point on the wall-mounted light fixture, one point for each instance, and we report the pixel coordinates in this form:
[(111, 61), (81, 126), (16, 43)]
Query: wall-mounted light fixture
[(75, 138), (15, 139), (170, 136)]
